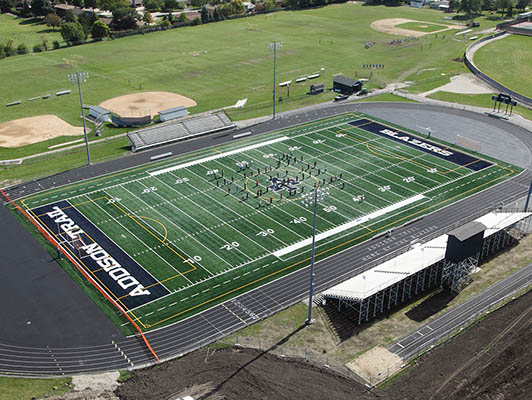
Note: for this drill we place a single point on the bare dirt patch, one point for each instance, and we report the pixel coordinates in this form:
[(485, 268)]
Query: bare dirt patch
[(24, 131), (389, 25), (145, 103), (371, 365)]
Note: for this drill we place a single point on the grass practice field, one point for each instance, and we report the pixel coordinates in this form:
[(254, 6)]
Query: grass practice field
[(30, 31), (199, 62), (169, 239), (508, 61)]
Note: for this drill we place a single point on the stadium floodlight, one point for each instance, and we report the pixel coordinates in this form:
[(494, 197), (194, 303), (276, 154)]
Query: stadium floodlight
[(313, 198), (274, 46), (79, 78)]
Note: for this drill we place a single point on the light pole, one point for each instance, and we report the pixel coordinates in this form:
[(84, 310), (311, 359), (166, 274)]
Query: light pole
[(79, 78), (313, 198), (274, 46)]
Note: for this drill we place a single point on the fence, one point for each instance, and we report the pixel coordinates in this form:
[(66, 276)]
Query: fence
[(486, 78)]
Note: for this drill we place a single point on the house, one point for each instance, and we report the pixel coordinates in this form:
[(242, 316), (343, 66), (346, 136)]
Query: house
[(192, 15), (417, 3), (61, 10), (135, 3)]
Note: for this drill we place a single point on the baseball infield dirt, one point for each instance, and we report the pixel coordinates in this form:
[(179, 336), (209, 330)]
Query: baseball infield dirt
[(145, 103), (389, 25), (23, 131)]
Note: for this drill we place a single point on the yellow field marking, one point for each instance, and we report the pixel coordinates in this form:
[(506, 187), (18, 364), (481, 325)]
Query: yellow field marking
[(158, 222), (224, 306), (328, 250), (155, 236)]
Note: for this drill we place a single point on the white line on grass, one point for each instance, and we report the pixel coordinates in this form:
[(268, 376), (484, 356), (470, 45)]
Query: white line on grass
[(348, 225), (216, 156)]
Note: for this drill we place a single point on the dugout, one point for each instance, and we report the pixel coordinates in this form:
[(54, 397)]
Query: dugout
[(173, 113), (99, 113), (344, 85), (317, 88)]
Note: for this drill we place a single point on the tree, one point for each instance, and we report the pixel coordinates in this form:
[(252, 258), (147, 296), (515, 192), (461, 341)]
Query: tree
[(6, 5), (91, 3), (502, 5), (112, 5), (44, 43), (217, 15), (205, 16), (153, 5), (69, 16), (9, 48), (87, 20), (196, 21), (454, 5), (78, 3), (522, 4), (2, 52), (268, 5), (26, 10), (100, 30), (198, 3), (170, 5), (487, 5), (147, 17), (53, 21), (22, 49), (56, 44), (237, 7), (124, 18), (182, 18), (470, 6), (40, 8), (37, 48), (72, 32)]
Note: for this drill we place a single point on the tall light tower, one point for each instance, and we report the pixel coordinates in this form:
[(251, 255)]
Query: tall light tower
[(274, 46), (313, 198), (79, 78)]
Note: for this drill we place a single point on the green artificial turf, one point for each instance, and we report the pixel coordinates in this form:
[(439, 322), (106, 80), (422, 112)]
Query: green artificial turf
[(205, 243)]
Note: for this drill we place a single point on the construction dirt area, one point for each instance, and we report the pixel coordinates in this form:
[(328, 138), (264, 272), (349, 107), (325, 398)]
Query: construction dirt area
[(24, 131), (389, 25), (145, 103), (490, 360)]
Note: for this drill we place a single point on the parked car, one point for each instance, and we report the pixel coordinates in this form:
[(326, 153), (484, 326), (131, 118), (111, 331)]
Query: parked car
[(340, 97)]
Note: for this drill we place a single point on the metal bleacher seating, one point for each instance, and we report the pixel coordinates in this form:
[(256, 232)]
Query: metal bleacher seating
[(178, 130)]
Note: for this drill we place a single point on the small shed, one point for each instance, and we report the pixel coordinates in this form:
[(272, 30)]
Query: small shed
[(173, 113), (344, 85), (99, 113)]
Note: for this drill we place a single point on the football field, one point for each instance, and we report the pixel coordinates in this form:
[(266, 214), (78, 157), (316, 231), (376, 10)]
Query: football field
[(169, 239)]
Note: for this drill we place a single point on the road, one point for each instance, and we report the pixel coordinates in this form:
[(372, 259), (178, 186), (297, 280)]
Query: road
[(415, 342), (20, 353)]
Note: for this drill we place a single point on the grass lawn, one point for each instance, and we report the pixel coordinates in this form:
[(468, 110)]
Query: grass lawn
[(21, 388), (30, 31), (384, 97), (195, 237), (218, 72), (422, 26), (508, 61), (479, 100)]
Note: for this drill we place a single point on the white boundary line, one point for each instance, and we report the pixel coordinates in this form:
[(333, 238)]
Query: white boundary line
[(348, 225), (216, 156)]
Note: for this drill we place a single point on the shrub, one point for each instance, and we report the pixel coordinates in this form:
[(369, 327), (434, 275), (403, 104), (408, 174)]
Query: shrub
[(37, 48), (22, 49), (56, 44)]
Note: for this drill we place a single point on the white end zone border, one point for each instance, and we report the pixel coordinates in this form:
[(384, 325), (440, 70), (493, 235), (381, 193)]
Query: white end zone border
[(348, 225), (217, 156)]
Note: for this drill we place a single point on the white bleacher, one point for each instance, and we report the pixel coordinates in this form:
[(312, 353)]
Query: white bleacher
[(421, 256), (178, 130)]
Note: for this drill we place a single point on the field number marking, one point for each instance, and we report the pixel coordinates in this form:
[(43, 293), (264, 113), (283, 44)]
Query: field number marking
[(409, 179), (113, 200), (384, 188), (329, 209), (181, 180), (149, 189), (192, 260), (265, 232), (298, 220), (230, 246), (318, 141)]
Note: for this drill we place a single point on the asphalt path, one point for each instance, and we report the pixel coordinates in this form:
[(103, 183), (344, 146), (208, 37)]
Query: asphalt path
[(30, 357), (429, 334)]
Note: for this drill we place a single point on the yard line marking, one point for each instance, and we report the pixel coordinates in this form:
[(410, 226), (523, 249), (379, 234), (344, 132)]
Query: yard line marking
[(400, 345), (177, 226), (194, 295), (348, 225), (216, 156)]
